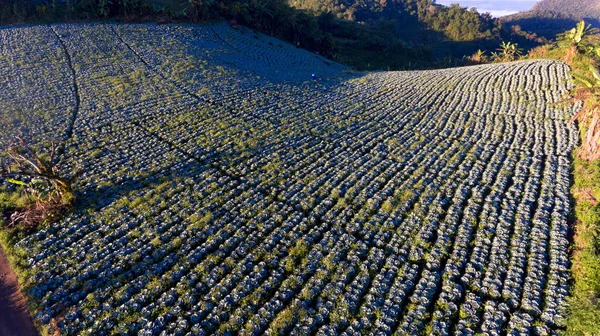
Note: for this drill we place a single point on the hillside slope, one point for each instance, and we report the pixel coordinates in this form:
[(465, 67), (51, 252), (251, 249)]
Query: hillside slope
[(226, 190), (579, 9), (551, 17)]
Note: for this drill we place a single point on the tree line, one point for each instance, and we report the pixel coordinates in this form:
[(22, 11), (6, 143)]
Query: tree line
[(365, 34)]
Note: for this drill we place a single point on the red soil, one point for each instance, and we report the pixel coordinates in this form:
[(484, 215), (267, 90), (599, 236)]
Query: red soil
[(14, 316)]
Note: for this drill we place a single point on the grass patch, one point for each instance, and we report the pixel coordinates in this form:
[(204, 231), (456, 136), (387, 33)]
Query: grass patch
[(10, 200), (580, 49), (584, 303)]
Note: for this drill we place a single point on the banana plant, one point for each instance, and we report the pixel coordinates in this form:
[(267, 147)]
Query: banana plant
[(591, 81), (593, 50), (596, 74), (480, 53), (577, 34), (508, 51), (583, 36)]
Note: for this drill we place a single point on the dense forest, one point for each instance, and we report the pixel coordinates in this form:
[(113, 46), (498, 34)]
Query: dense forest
[(551, 17), (411, 17), (274, 17), (447, 32), (366, 34)]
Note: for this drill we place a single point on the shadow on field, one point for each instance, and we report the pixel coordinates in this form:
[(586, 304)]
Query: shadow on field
[(95, 198)]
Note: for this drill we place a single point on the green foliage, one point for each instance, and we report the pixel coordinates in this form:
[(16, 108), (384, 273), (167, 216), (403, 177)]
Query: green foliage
[(300, 250), (583, 37), (584, 304), (479, 57), (199, 222), (577, 34), (507, 52), (440, 36), (12, 199), (409, 18), (286, 317), (577, 46), (460, 24), (588, 80)]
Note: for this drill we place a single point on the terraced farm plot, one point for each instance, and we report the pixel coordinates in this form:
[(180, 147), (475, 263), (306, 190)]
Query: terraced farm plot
[(226, 191)]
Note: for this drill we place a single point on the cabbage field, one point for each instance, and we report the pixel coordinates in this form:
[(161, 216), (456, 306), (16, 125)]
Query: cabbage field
[(234, 184)]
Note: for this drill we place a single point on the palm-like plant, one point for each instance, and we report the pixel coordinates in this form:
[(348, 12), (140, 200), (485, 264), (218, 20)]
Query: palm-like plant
[(581, 39), (478, 57), (578, 34), (508, 52)]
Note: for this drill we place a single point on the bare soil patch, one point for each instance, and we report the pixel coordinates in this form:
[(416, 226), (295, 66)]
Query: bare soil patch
[(14, 316)]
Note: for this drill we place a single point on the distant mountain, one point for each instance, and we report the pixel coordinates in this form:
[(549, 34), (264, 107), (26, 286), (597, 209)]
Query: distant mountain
[(550, 17), (581, 9)]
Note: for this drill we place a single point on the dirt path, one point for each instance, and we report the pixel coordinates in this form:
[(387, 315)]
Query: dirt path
[(14, 317)]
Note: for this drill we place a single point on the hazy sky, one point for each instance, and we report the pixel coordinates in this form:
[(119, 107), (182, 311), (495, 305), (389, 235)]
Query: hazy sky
[(496, 7)]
